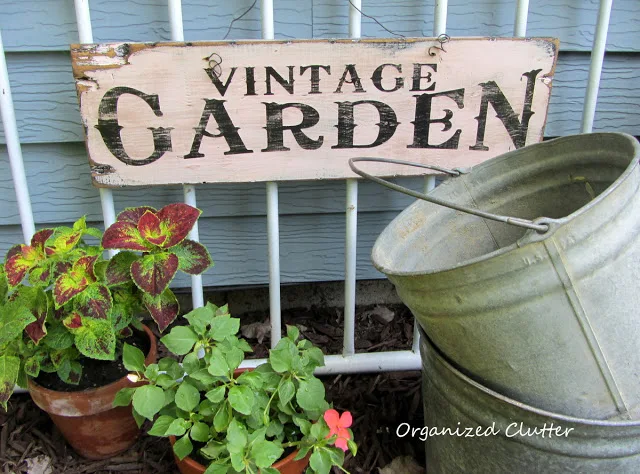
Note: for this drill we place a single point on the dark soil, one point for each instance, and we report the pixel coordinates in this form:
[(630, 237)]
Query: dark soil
[(95, 373), (378, 403)]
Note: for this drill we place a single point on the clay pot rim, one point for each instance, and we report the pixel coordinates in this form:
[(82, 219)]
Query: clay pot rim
[(46, 398), (192, 463)]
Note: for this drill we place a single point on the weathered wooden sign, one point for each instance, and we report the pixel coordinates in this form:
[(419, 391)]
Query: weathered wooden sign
[(274, 111)]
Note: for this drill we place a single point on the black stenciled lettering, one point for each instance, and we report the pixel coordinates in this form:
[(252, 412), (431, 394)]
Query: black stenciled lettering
[(315, 76), (355, 79), (250, 80), (275, 127), (272, 73), (517, 129), (109, 127), (418, 77), (376, 78), (346, 123), (228, 130), (222, 88), (423, 120)]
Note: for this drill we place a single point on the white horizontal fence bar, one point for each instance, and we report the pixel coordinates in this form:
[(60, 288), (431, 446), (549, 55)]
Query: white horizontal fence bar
[(14, 150), (273, 224), (85, 35), (177, 34), (522, 13), (595, 70), (361, 363)]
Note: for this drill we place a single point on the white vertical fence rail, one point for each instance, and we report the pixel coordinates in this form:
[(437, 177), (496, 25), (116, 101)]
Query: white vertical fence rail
[(522, 13), (177, 34), (597, 58), (273, 224), (351, 238), (15, 151), (85, 34)]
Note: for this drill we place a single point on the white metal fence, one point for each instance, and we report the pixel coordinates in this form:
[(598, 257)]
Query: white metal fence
[(348, 361)]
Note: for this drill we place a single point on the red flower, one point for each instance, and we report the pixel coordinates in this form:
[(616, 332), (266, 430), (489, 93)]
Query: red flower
[(338, 425)]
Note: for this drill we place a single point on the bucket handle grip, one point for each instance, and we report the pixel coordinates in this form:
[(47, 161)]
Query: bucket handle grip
[(527, 224)]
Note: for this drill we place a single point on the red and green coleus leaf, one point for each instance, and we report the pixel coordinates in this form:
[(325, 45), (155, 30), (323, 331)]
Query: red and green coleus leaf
[(39, 238), (151, 230), (176, 221), (70, 284), (118, 269), (163, 309), (94, 302), (63, 239), (21, 259), (96, 339), (9, 369), (193, 257), (33, 299), (15, 318), (153, 273), (132, 215), (70, 371), (73, 321), (124, 236)]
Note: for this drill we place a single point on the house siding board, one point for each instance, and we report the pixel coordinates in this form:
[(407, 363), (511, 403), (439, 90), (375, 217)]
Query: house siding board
[(37, 34)]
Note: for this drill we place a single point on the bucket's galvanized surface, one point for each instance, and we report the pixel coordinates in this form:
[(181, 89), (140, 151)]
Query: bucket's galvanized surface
[(490, 433), (550, 320)]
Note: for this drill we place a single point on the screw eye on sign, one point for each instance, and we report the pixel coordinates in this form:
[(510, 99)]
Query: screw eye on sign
[(170, 113)]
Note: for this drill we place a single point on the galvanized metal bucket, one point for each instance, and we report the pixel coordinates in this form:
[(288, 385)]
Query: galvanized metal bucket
[(470, 428), (545, 311)]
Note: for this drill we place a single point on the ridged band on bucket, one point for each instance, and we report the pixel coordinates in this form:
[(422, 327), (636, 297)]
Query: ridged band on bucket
[(470, 428), (550, 319)]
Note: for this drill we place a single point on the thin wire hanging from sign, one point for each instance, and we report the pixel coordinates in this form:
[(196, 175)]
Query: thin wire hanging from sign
[(376, 20), (239, 18)]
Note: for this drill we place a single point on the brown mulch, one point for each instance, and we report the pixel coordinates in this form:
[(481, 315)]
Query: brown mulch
[(378, 403)]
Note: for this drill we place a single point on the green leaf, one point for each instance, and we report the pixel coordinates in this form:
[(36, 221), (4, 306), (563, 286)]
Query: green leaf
[(217, 468), (265, 453), (353, 447), (70, 371), (303, 424), (251, 379), (236, 437), (218, 364), (237, 462), (200, 432), (223, 327), (320, 461), (192, 363), (123, 397), (183, 447), (217, 394), (233, 356), (138, 417), (171, 367), (14, 319), (203, 376), (286, 390), (96, 339), (187, 397), (241, 399), (275, 428), (293, 333), (213, 449), (310, 395), (148, 400), (161, 426), (180, 340), (199, 319), (222, 418), (9, 368), (152, 372), (165, 381), (32, 366), (283, 355), (58, 337), (178, 427), (132, 358)]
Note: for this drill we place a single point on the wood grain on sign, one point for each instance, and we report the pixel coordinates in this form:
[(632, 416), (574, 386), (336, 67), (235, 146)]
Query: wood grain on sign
[(175, 113)]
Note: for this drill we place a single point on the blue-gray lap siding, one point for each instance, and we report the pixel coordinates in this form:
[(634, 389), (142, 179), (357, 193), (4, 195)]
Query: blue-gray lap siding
[(36, 37)]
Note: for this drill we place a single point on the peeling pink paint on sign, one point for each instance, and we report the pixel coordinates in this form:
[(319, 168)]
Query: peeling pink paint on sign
[(187, 113)]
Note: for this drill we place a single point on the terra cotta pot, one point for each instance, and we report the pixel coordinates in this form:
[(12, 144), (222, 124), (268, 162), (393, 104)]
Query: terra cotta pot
[(87, 419), (285, 466)]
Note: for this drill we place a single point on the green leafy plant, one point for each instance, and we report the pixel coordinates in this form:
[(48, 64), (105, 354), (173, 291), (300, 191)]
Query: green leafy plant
[(61, 300), (240, 421)]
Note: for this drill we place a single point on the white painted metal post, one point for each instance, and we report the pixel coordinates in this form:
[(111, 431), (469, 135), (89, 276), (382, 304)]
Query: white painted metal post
[(83, 19), (597, 58), (348, 345), (177, 34), (14, 150), (522, 12), (273, 225)]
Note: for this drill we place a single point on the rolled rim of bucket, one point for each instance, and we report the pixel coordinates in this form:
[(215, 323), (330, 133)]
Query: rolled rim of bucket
[(607, 438), (554, 224)]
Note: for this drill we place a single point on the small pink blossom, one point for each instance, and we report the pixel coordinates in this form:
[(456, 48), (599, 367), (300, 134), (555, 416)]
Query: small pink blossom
[(338, 425)]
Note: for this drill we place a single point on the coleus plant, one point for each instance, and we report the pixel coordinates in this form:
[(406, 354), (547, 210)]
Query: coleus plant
[(154, 247), (240, 421)]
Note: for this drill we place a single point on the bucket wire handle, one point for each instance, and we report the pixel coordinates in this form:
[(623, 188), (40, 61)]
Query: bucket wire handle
[(527, 224)]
